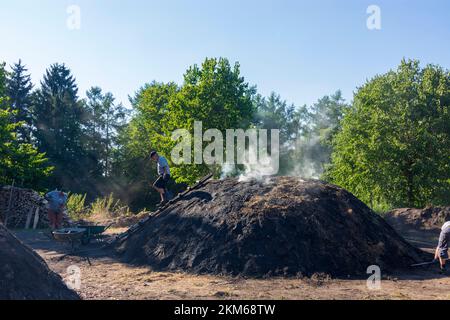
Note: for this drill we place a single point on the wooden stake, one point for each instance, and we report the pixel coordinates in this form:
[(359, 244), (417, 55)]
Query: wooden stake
[(30, 214), (36, 218), (9, 204)]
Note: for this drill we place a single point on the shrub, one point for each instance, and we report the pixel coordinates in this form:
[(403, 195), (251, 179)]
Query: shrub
[(108, 207), (76, 206)]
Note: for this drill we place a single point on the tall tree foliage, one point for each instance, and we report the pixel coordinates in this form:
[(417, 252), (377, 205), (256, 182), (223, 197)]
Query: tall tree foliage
[(104, 119), (143, 131), (19, 89), (311, 152), (305, 132), (3, 79), (58, 117), (216, 94), (274, 113), (131, 163), (19, 161), (394, 147)]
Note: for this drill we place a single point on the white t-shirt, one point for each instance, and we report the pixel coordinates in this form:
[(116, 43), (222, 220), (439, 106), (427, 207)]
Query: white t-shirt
[(162, 163), (446, 225)]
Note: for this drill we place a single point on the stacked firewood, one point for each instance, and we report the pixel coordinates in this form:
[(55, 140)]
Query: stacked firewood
[(22, 208)]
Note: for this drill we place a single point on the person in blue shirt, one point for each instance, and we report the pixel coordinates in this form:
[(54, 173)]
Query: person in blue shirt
[(160, 184), (56, 203)]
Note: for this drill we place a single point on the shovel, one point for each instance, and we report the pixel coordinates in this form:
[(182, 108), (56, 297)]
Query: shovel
[(426, 263)]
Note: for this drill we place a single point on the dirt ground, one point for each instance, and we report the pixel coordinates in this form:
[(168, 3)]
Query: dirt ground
[(107, 278)]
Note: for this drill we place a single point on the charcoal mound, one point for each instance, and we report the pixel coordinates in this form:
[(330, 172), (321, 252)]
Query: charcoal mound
[(425, 219), (279, 226), (24, 275)]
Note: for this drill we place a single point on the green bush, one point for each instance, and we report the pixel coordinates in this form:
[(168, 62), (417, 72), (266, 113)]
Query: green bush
[(101, 208), (76, 206), (108, 207)]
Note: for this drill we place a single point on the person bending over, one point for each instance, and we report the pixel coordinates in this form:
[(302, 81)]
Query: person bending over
[(55, 208)]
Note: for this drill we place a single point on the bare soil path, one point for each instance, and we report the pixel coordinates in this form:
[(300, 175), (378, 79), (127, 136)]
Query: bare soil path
[(108, 278)]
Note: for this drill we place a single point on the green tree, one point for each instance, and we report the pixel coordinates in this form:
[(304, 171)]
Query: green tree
[(274, 113), (104, 118), (18, 161), (313, 148), (3, 79), (215, 94), (59, 116), (19, 92), (305, 132), (394, 146), (131, 165)]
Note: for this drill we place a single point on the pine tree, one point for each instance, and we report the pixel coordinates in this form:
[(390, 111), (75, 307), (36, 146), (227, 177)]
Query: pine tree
[(105, 118), (19, 89), (18, 161), (58, 118), (3, 77)]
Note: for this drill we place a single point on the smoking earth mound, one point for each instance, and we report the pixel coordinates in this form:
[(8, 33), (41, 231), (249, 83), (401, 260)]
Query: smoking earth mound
[(428, 218), (280, 226), (24, 275)]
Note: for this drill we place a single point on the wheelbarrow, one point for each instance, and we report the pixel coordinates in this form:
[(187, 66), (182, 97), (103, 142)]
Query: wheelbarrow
[(74, 236), (92, 232), (69, 235)]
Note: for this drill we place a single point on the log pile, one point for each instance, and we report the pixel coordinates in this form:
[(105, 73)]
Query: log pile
[(22, 208)]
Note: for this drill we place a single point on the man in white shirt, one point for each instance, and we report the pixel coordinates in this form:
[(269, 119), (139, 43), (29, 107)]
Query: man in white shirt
[(441, 252), (160, 184)]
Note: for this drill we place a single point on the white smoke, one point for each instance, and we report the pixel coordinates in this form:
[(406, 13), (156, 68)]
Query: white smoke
[(303, 163), (307, 164), (305, 152), (265, 167), (228, 170)]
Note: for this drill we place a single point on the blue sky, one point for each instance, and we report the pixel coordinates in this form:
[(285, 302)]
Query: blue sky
[(299, 49)]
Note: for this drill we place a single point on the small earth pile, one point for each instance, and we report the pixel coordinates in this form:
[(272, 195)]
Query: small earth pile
[(428, 218), (24, 275), (280, 226)]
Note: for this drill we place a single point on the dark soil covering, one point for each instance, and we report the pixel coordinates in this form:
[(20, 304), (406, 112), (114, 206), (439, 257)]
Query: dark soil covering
[(280, 226), (428, 218), (25, 275)]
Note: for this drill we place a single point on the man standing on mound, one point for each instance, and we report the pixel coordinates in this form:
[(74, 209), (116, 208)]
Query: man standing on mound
[(442, 248), (55, 208), (160, 184)]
